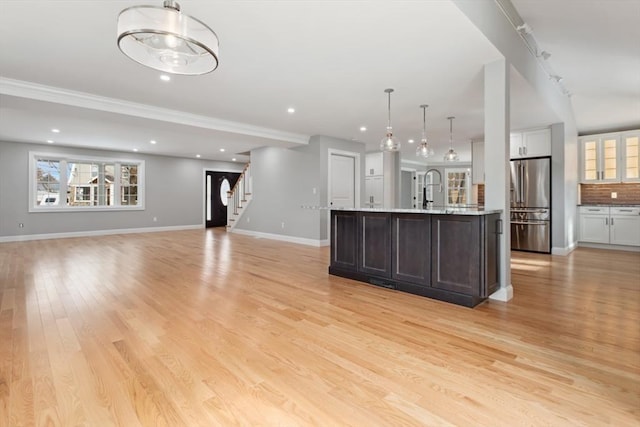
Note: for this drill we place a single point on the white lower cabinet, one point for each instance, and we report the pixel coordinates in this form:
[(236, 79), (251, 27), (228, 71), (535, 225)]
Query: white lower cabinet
[(610, 225), (624, 227)]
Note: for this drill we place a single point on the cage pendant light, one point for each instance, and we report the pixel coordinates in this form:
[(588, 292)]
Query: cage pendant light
[(389, 142), (165, 39), (451, 155), (424, 149)]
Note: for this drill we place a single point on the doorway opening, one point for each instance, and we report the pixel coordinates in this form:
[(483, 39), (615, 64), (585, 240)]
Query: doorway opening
[(216, 186)]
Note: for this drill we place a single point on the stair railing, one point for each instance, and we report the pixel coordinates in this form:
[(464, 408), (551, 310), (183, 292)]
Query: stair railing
[(238, 197)]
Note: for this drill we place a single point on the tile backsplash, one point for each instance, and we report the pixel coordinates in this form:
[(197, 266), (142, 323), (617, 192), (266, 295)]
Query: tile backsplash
[(628, 194), (480, 194)]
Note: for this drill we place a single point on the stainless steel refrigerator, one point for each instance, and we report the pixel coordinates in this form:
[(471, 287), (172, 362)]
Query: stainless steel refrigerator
[(531, 205)]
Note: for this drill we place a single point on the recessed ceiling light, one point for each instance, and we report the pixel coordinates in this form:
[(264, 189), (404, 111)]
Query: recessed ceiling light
[(55, 130), (50, 141), (198, 155), (165, 78), (291, 110), (363, 128), (233, 160), (135, 149), (222, 150), (153, 141), (411, 141)]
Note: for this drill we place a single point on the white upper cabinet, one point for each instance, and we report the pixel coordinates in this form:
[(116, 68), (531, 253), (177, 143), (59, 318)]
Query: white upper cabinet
[(477, 162), (611, 157), (630, 147), (373, 163), (530, 143), (515, 145)]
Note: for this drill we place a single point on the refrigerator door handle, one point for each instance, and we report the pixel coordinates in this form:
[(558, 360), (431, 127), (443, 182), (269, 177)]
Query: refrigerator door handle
[(522, 172)]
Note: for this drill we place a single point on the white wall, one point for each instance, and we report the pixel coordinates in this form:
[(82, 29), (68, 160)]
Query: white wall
[(174, 194)]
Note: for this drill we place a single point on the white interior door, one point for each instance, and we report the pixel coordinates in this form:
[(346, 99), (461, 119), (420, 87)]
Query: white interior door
[(342, 184)]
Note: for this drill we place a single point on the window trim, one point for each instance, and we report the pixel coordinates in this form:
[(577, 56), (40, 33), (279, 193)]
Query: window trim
[(34, 156)]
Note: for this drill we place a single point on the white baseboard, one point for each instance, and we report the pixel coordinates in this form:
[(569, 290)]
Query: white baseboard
[(610, 247), (503, 294), (26, 237), (282, 237), (564, 251)]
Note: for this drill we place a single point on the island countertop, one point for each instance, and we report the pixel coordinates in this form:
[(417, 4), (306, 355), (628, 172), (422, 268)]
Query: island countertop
[(440, 210)]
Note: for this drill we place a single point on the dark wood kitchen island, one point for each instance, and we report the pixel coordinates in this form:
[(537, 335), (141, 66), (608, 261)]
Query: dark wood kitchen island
[(447, 254)]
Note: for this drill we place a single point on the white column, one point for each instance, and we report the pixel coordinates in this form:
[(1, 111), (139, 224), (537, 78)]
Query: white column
[(496, 162)]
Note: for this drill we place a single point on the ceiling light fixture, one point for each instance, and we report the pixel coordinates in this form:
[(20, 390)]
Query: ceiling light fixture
[(50, 141), (424, 149), (544, 55), (55, 130), (363, 128), (165, 39), (291, 110), (389, 142), (233, 160), (135, 149), (153, 141), (198, 155), (451, 155), (165, 78), (222, 150), (411, 141)]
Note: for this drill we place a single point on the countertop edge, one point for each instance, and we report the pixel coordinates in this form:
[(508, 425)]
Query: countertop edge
[(450, 211), (611, 205)]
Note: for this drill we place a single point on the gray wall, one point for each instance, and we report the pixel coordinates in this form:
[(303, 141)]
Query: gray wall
[(406, 189), (284, 180), (174, 193)]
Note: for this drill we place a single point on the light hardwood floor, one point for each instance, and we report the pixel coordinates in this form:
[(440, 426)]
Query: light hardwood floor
[(204, 328)]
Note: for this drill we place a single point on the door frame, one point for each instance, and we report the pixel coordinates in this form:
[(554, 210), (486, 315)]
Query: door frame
[(414, 180), (356, 172), (357, 192), (203, 188)]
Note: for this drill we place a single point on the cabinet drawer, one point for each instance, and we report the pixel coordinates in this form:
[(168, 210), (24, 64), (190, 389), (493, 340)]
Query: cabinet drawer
[(625, 211), (594, 210)]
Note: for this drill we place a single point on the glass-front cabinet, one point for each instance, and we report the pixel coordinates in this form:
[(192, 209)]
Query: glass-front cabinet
[(630, 147), (457, 187), (599, 158), (611, 157)]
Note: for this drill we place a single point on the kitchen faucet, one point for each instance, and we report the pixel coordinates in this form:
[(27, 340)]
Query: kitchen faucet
[(424, 190)]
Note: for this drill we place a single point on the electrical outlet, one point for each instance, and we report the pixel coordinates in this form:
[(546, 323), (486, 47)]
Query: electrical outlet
[(20, 225), (248, 219), (283, 225), (314, 190), (155, 219), (614, 195)]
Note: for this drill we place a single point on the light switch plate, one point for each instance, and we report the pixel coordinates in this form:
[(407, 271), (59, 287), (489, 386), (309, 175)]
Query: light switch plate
[(614, 195)]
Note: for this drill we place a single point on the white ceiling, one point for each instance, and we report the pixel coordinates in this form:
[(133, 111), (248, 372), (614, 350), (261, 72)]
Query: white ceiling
[(595, 47), (330, 60)]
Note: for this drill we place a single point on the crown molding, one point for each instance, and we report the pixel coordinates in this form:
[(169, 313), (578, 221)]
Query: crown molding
[(29, 90)]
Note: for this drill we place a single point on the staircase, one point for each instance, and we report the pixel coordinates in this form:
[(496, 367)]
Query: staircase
[(238, 198)]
